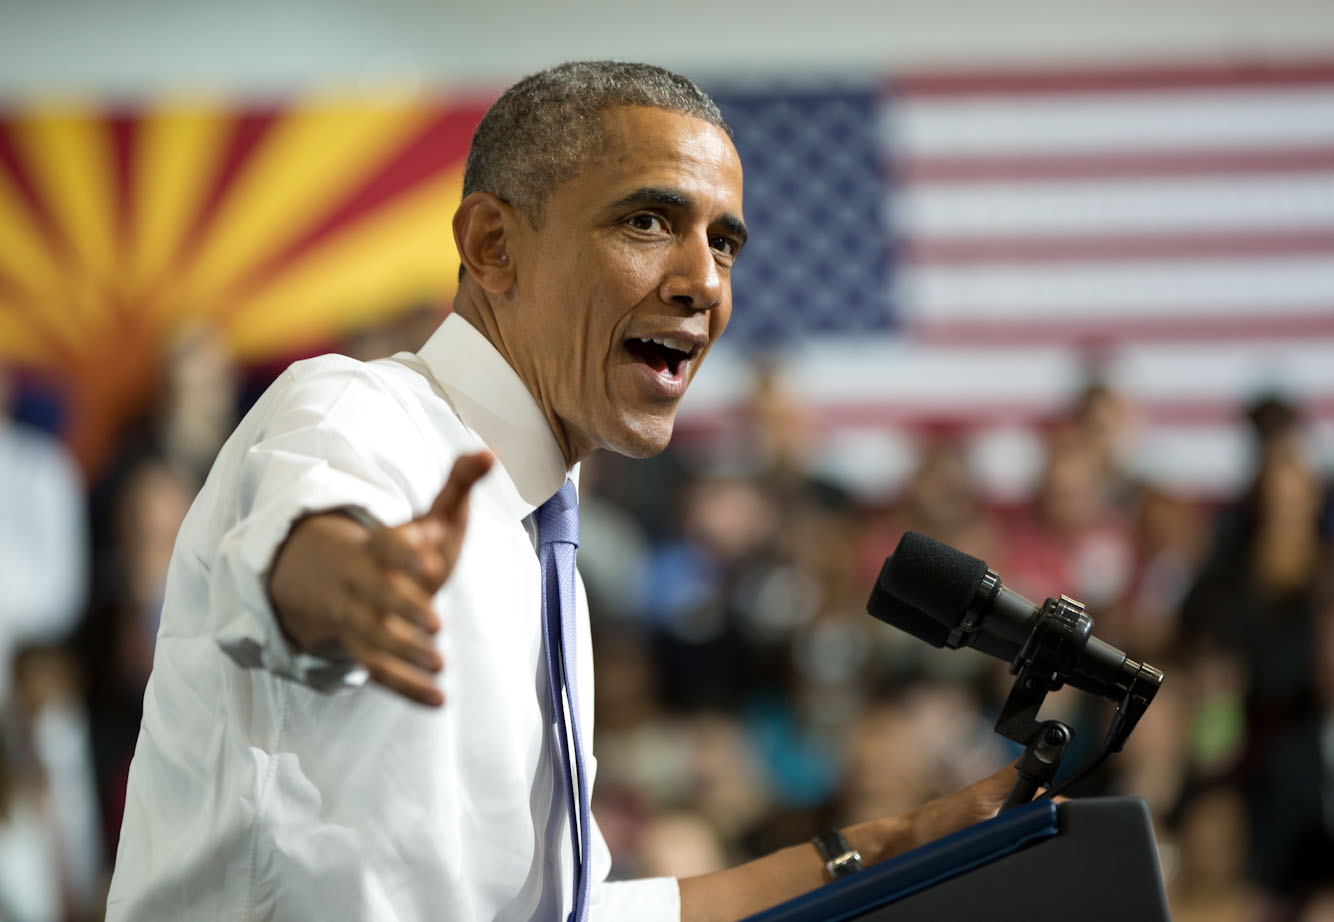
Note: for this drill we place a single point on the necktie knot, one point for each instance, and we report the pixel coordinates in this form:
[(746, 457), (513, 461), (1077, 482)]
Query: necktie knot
[(558, 517)]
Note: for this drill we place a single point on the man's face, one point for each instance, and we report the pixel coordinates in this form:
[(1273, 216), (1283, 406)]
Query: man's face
[(625, 287)]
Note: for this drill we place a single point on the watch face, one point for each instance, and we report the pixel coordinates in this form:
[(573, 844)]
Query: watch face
[(841, 859)]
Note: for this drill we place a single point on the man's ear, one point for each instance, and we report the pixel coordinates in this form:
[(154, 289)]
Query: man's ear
[(482, 226)]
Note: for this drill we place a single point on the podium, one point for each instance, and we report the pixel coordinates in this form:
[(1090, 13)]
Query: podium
[(1094, 860)]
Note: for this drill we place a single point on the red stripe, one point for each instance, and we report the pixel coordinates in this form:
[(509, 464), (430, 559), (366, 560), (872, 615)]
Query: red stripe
[(441, 144), (1116, 327), (1128, 165), (889, 414), (248, 131), (123, 137), (1113, 79), (953, 251), (12, 163)]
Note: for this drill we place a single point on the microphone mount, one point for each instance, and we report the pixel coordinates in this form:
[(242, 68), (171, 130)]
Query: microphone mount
[(950, 599), (1054, 647)]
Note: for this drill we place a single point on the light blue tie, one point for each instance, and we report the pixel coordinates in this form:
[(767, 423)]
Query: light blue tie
[(557, 539)]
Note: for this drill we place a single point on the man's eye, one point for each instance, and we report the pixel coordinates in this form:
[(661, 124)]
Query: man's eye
[(724, 245), (646, 222)]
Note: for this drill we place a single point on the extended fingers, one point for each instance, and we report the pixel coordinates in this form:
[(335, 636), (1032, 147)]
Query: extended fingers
[(413, 549), (451, 503), (397, 674), (397, 651)]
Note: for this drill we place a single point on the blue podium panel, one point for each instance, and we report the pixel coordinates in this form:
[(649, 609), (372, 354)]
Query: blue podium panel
[(852, 897), (1092, 860)]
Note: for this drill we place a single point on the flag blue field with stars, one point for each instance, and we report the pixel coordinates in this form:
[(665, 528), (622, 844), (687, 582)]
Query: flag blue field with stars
[(966, 248), (814, 202)]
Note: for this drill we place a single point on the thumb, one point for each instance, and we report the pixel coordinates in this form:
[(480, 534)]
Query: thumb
[(451, 504)]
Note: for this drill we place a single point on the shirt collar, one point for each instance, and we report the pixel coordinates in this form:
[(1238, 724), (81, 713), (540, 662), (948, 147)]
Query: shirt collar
[(492, 400)]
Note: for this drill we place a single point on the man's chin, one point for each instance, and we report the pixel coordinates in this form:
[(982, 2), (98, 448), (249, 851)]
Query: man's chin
[(642, 438)]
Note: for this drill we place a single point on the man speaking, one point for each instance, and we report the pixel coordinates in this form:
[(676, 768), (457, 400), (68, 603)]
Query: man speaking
[(372, 693)]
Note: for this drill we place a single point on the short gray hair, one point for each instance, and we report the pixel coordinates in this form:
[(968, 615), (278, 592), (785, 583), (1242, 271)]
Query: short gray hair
[(546, 127)]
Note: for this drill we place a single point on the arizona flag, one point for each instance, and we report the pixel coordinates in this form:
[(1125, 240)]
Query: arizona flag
[(276, 225)]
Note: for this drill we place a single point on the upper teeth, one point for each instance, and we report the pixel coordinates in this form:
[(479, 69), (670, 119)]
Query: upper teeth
[(672, 342)]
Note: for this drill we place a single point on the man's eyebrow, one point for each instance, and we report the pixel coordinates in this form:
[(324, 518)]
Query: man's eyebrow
[(737, 227), (653, 195), (665, 195)]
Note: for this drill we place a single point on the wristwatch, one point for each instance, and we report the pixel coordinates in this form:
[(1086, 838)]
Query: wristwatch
[(840, 858)]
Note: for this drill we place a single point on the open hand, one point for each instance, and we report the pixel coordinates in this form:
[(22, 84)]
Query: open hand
[(369, 590)]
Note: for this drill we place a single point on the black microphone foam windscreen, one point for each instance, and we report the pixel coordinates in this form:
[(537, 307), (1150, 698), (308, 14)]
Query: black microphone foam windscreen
[(933, 577), (894, 611)]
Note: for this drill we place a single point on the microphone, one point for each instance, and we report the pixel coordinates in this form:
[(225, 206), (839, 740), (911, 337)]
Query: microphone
[(951, 599)]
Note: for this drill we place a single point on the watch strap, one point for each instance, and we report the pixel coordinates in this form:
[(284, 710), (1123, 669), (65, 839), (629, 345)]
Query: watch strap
[(840, 858)]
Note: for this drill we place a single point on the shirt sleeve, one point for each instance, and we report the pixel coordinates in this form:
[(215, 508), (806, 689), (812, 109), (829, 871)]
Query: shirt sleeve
[(650, 899), (653, 899), (328, 441)]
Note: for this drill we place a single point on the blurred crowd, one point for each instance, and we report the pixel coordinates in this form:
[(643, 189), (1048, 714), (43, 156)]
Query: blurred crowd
[(745, 699)]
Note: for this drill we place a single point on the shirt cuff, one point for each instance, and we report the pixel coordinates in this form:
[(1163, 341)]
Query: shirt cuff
[(248, 629), (652, 899)]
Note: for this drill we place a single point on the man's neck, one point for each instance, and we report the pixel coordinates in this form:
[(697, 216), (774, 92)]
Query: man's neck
[(473, 306)]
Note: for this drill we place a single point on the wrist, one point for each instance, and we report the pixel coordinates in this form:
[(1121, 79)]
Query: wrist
[(879, 839), (305, 566)]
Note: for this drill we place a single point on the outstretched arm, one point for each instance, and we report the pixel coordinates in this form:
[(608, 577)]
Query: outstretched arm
[(726, 896), (336, 582)]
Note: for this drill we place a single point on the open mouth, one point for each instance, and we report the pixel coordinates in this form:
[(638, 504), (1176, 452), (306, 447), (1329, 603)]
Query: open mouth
[(667, 354)]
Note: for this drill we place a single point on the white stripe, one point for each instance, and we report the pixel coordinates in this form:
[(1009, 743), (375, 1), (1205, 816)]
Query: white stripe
[(1122, 206), (1111, 291), (1195, 460), (1233, 372), (930, 378), (1204, 458), (1097, 123), (898, 370)]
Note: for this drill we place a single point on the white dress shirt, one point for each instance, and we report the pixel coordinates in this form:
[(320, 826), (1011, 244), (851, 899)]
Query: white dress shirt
[(275, 785)]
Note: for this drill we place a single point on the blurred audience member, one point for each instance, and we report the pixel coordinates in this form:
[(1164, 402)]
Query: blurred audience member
[(30, 885), (1106, 421), (118, 636), (1169, 540), (695, 585), (398, 331), (682, 843), (1071, 539), (1255, 605), (43, 539), (941, 500), (1294, 802), (51, 826), (198, 402), (1209, 883), (1255, 596), (777, 427)]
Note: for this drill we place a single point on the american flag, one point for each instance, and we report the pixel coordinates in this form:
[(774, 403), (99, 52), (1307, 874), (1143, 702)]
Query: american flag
[(953, 247)]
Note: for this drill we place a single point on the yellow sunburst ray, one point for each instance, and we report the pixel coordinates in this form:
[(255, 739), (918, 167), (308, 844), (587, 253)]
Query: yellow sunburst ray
[(310, 160), (25, 256), (66, 150), (178, 149), (401, 253), (24, 339)]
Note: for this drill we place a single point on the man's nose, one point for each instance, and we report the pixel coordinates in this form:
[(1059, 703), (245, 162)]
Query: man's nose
[(693, 278)]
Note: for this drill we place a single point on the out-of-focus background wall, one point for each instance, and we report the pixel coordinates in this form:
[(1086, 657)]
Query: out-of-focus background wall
[(1052, 282)]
